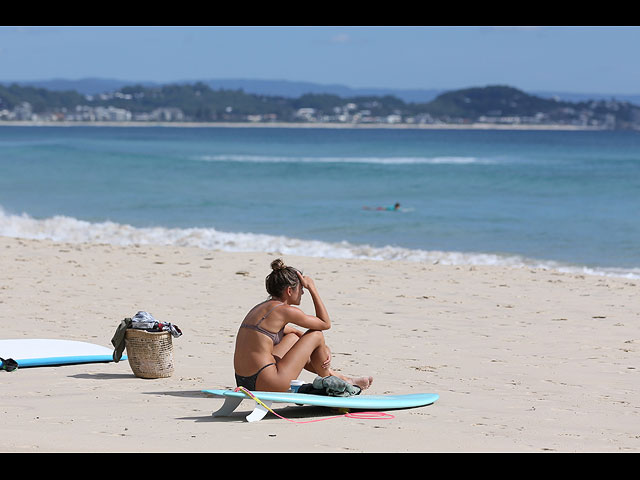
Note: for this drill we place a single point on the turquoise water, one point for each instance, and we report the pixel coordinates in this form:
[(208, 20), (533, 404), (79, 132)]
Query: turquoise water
[(561, 199)]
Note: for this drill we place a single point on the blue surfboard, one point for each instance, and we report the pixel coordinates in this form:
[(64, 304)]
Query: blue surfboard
[(42, 352), (356, 402)]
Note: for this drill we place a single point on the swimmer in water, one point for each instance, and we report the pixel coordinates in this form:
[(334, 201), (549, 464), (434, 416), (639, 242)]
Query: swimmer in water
[(388, 209)]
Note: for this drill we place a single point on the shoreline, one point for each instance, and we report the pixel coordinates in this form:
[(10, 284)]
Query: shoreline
[(397, 126), (244, 242), (523, 360), (63, 228)]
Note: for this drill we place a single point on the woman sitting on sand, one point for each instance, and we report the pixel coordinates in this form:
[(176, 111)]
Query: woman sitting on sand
[(269, 353)]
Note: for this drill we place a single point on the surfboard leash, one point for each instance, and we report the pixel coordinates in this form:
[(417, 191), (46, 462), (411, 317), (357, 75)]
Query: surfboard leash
[(356, 415)]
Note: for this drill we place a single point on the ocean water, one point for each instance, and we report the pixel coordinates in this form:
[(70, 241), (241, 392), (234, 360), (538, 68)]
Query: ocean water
[(568, 200)]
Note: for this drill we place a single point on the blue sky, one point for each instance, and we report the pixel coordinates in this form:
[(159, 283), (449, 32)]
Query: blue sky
[(571, 59)]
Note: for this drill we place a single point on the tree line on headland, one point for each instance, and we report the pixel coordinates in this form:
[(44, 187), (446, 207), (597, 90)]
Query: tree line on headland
[(198, 102)]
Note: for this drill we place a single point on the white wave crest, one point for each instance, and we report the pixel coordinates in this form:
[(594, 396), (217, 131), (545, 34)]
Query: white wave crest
[(452, 160), (68, 229)]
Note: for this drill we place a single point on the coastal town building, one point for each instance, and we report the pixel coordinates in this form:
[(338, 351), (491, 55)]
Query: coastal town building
[(505, 109)]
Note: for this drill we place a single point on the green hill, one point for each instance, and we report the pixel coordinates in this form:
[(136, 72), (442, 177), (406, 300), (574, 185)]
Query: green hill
[(200, 103), (491, 101)]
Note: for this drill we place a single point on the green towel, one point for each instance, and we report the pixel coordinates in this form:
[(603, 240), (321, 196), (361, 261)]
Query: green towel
[(118, 339), (335, 387)]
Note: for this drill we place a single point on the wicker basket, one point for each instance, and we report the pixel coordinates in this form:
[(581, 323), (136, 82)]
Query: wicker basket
[(150, 354)]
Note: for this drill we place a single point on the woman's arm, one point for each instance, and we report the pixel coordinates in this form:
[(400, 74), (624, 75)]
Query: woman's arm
[(310, 322), (321, 311), (321, 320), (288, 329)]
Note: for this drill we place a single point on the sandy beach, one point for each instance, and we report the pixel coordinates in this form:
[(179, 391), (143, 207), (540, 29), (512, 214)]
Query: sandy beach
[(524, 360)]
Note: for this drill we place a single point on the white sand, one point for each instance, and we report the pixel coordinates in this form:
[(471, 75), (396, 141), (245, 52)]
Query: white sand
[(523, 360)]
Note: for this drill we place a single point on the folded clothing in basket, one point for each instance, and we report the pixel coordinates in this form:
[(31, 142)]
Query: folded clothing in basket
[(145, 321), (141, 321)]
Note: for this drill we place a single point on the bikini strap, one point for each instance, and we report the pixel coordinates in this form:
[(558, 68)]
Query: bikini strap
[(268, 313)]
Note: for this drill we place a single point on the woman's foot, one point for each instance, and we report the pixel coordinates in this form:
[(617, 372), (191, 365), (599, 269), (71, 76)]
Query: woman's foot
[(362, 382)]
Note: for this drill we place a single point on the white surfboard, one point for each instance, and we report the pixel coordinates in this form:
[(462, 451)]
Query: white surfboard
[(39, 352)]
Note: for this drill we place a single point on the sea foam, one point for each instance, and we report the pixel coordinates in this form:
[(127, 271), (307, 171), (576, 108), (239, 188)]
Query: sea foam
[(68, 229), (450, 160)]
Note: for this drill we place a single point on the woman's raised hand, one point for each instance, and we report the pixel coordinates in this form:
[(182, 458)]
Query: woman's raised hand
[(306, 282)]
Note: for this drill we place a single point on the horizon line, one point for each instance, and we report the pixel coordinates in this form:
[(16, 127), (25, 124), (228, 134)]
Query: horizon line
[(319, 84)]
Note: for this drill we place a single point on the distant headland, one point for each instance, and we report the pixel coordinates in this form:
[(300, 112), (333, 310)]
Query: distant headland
[(199, 104)]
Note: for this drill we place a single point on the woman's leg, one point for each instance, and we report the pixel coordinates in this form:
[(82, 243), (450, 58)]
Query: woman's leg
[(318, 365), (309, 350), (288, 341), (291, 364)]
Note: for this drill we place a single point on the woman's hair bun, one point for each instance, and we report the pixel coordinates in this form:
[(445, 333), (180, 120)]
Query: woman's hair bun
[(277, 265), (280, 278)]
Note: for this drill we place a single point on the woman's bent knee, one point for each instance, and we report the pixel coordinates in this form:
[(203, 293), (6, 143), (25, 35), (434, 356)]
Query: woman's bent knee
[(315, 339), (317, 335)]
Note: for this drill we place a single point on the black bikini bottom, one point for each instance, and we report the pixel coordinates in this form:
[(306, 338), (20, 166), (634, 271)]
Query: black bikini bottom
[(250, 382)]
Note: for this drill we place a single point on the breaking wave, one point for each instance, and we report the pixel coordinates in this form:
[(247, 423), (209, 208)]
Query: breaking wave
[(371, 160), (68, 229)]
